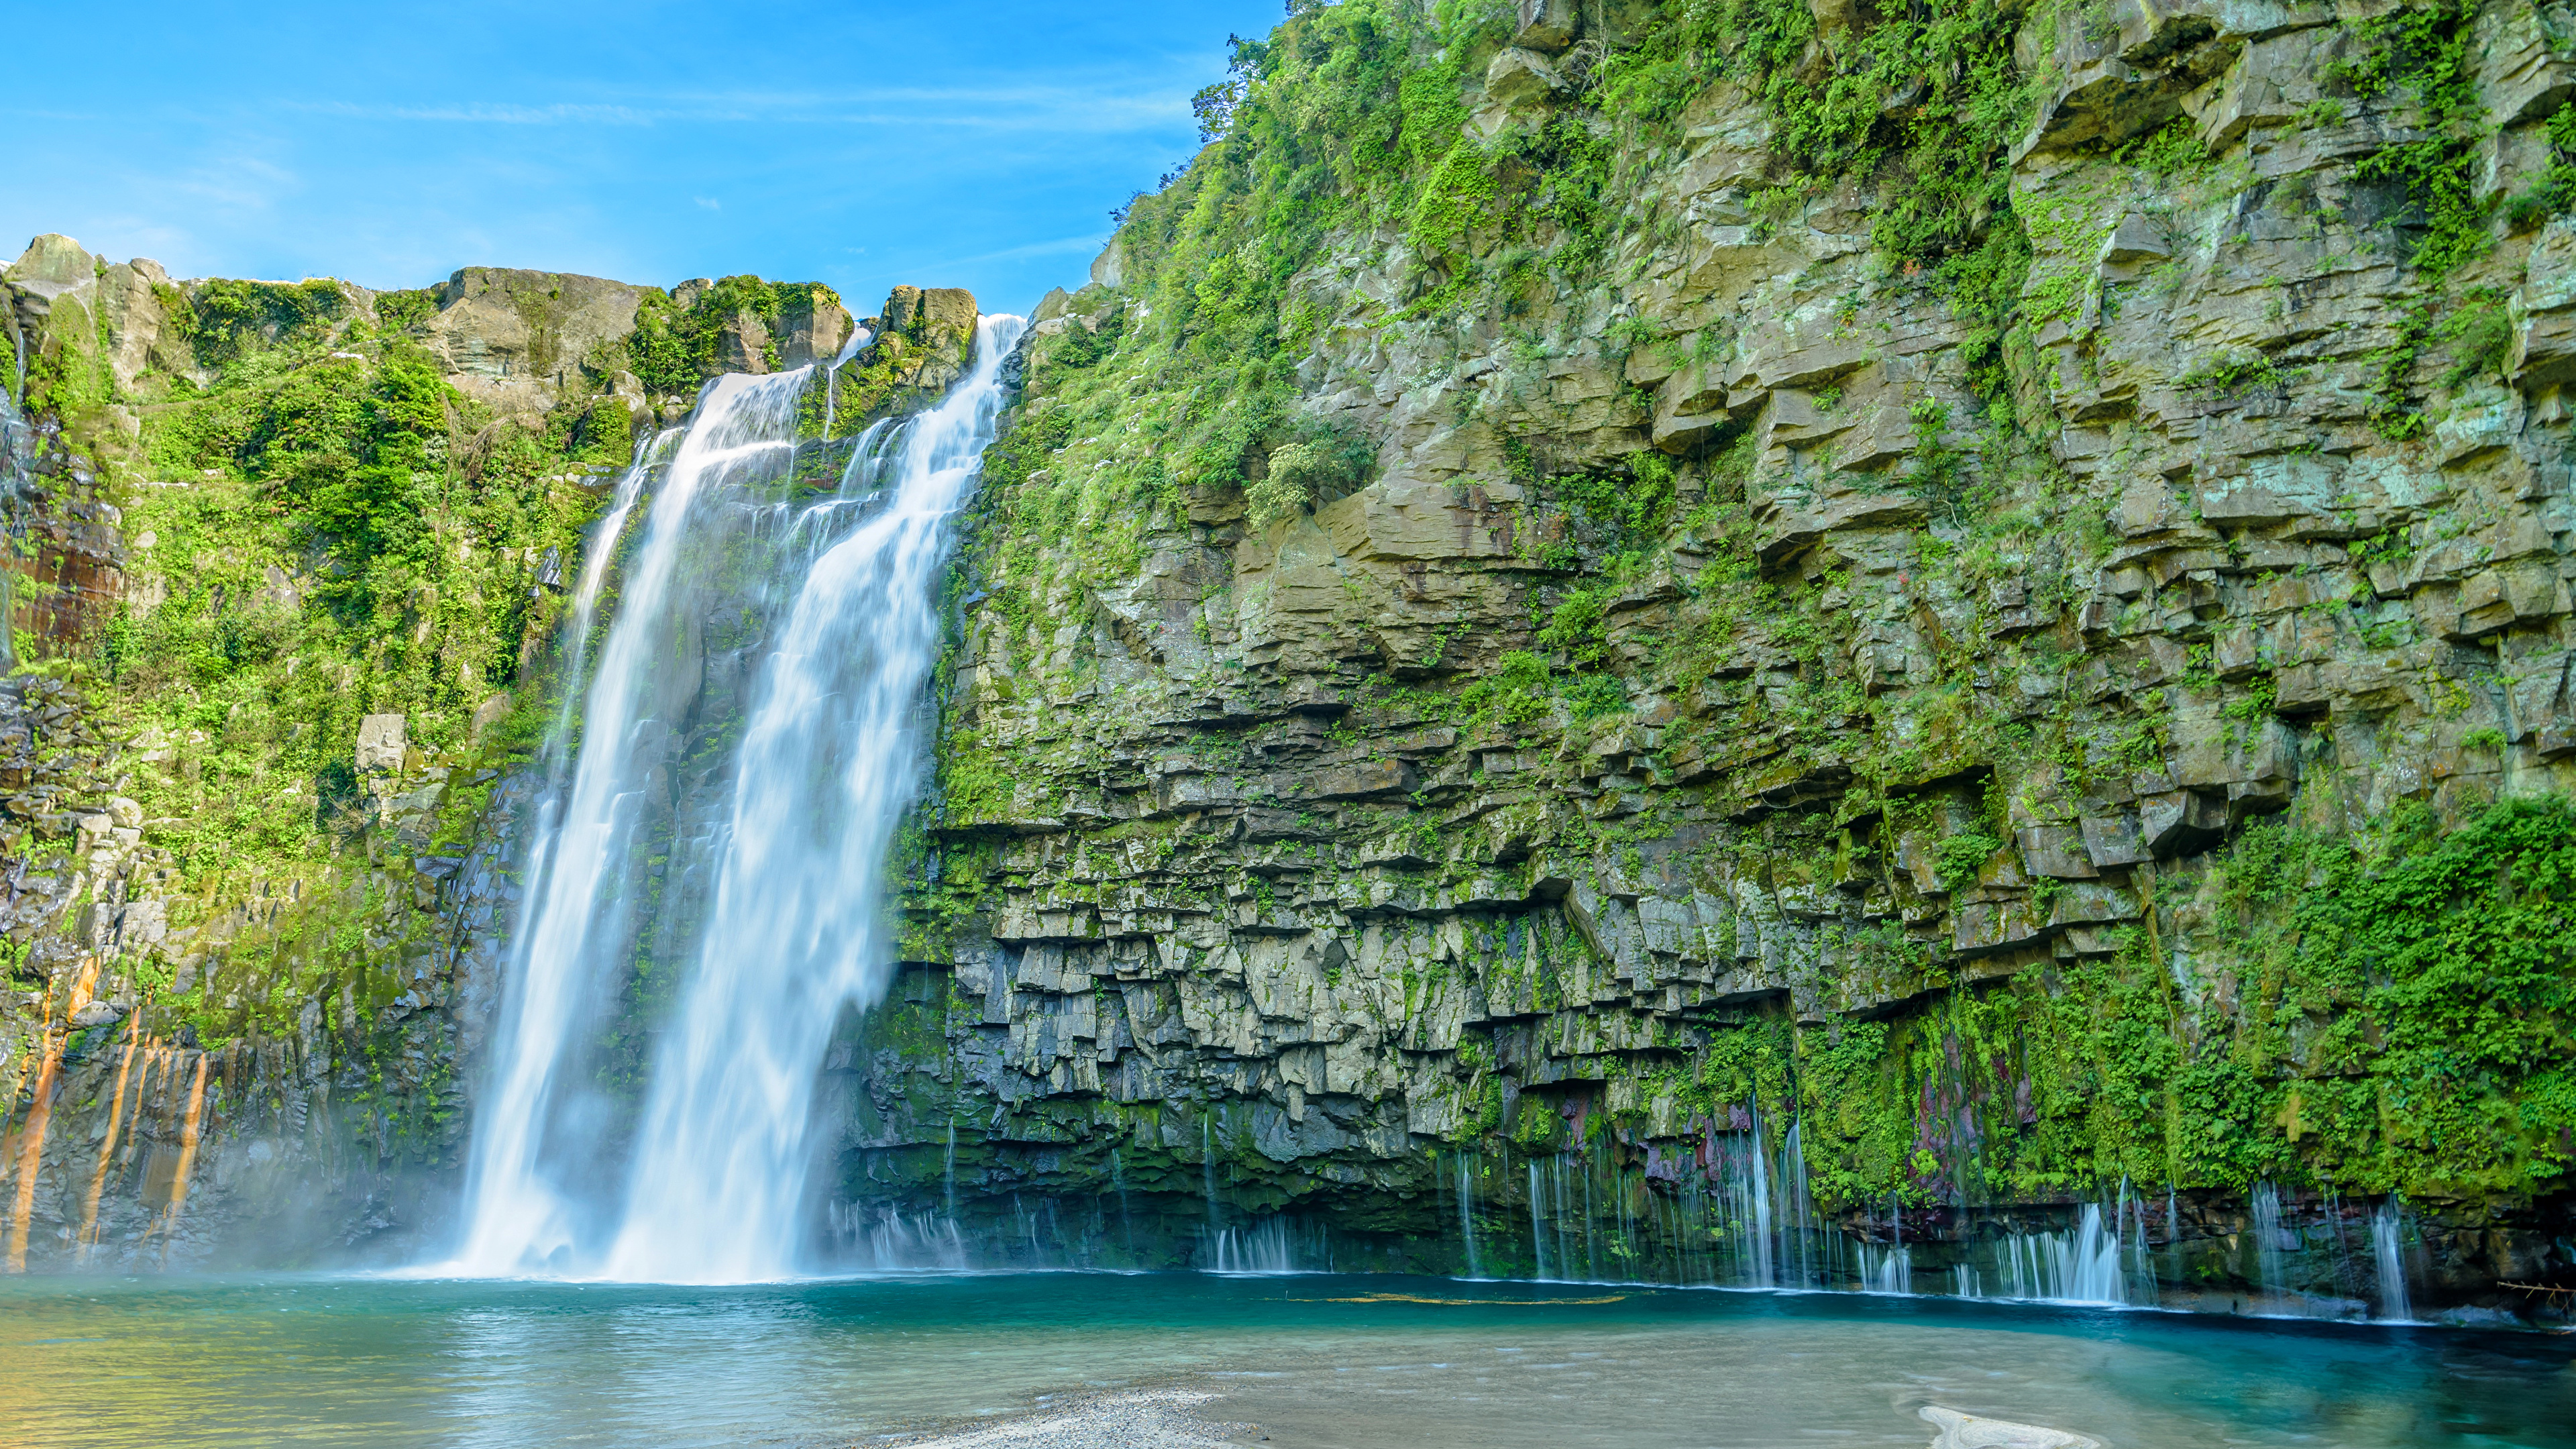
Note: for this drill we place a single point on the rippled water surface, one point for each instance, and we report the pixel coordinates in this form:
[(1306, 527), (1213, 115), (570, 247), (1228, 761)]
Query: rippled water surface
[(1316, 1360)]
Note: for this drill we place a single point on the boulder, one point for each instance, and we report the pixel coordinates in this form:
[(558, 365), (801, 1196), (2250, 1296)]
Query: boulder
[(1521, 82), (1547, 24), (815, 332), (491, 712), (515, 339), (744, 345), (97, 1013), (1109, 269), (381, 744), (52, 265)]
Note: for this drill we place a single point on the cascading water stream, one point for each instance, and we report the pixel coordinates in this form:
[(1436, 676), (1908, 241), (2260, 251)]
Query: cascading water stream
[(859, 337), (534, 1152), (791, 938), (829, 762), (1467, 1213), (2267, 1243), (16, 454)]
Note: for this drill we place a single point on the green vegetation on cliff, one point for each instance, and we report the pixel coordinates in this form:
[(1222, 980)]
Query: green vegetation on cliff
[(316, 526), (2396, 1013), (1973, 546), (332, 532)]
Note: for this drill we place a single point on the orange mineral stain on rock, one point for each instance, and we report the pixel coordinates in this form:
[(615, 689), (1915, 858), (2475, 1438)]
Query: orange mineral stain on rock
[(107, 1146), (187, 1156), (40, 1113)]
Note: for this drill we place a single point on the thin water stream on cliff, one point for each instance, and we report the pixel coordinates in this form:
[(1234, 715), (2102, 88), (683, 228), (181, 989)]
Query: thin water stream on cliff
[(1314, 1359)]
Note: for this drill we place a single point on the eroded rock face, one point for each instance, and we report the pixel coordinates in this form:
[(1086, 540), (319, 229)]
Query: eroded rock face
[(512, 339), (919, 344), (1232, 882)]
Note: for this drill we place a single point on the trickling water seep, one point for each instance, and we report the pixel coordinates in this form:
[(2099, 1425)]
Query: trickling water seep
[(2387, 1248), (1272, 1245), (708, 1182)]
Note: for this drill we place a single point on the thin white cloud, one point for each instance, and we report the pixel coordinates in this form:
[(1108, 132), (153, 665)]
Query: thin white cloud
[(1062, 245), (709, 202), (244, 182), (489, 113), (1108, 107)]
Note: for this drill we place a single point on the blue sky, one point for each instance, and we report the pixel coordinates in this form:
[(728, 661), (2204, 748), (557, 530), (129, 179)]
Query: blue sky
[(978, 145)]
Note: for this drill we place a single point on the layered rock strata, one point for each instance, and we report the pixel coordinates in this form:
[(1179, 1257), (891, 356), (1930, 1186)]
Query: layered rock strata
[(1372, 862)]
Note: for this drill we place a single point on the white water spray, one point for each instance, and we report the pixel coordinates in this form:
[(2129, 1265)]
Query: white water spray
[(540, 1125), (829, 763), (829, 760)]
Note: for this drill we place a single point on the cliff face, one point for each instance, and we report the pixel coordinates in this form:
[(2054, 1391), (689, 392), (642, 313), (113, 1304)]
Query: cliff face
[(1598, 610), (1992, 631)]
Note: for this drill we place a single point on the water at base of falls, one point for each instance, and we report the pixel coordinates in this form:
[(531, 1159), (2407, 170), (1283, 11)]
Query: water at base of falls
[(839, 594), (1378, 1360)]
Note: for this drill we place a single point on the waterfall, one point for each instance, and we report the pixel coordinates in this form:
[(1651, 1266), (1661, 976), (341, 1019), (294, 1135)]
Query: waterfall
[(1264, 1247), (1467, 1212), (889, 1241), (948, 1171), (2089, 1270), (1207, 1165), (16, 457), (1764, 1275), (1886, 1270), (2142, 1271), (1795, 1220), (537, 1139), (1538, 1235), (2387, 1248), (829, 762), (714, 1176), (2267, 1241), (2081, 1266)]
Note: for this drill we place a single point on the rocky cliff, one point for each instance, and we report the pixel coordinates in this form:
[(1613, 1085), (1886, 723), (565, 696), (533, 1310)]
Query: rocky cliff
[(1597, 604), (1990, 587)]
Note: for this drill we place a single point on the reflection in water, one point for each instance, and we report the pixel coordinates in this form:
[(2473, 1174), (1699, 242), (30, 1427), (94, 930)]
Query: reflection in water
[(1417, 1361)]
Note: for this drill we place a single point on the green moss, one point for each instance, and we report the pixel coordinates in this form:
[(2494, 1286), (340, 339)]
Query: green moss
[(320, 551), (2424, 49), (226, 320), (2408, 1008), (408, 310), (2553, 192)]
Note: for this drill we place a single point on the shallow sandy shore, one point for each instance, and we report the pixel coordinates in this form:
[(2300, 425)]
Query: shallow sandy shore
[(1126, 1419)]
